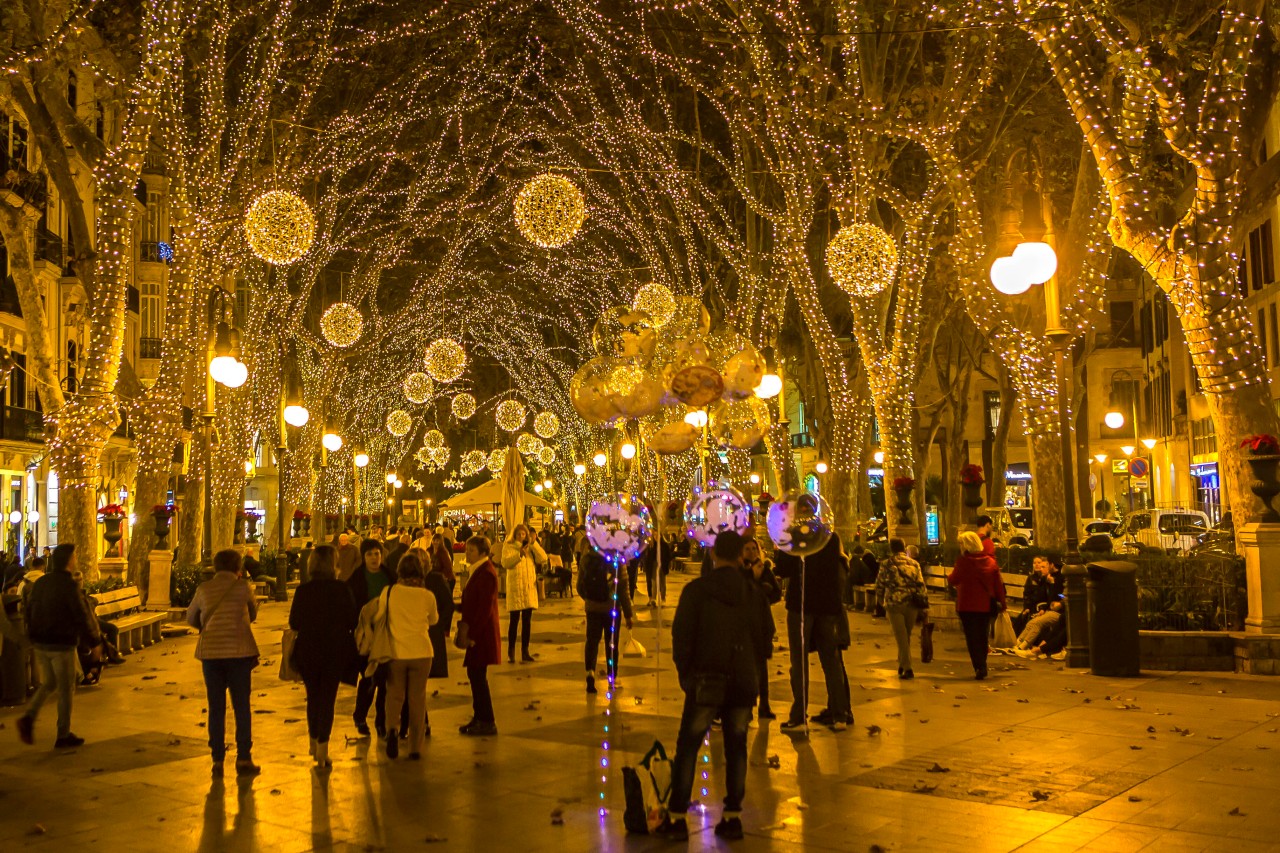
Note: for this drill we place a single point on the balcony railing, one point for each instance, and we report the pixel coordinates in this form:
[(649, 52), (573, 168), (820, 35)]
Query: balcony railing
[(801, 439), (49, 247), (149, 252), (149, 347), (21, 424)]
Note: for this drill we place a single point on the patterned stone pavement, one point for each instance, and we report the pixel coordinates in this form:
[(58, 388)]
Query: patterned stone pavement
[(1037, 758)]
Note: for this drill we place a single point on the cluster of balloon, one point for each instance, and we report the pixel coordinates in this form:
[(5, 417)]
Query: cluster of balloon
[(620, 527), (709, 513), (646, 369), (800, 523), (740, 423)]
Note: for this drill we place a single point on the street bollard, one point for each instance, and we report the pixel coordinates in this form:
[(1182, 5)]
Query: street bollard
[(281, 592), (1077, 616)]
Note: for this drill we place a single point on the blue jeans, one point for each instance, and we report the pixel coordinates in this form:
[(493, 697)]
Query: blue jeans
[(694, 723), (235, 675), (57, 672)]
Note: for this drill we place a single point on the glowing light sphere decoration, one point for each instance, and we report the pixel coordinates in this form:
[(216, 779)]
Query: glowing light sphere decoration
[(463, 406), (510, 415), (433, 438), (418, 387), (709, 513), (528, 444), (341, 324), (862, 259), (497, 458), (472, 462), (439, 456), (399, 422), (279, 227), (445, 360), (620, 527), (800, 523), (657, 301), (547, 455), (550, 209), (546, 424)]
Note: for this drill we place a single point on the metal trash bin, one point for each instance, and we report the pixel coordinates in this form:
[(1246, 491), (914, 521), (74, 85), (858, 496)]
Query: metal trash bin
[(1113, 619)]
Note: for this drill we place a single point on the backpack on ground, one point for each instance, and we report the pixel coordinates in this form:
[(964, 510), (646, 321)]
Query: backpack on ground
[(647, 788)]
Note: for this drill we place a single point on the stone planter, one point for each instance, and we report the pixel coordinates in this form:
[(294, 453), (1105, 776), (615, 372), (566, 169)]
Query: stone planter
[(237, 531), (252, 521), (112, 533), (1265, 484), (903, 502), (306, 526), (163, 520), (297, 528), (971, 497)]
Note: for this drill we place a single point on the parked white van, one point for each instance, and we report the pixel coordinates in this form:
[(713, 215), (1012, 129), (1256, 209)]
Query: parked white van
[(1174, 531)]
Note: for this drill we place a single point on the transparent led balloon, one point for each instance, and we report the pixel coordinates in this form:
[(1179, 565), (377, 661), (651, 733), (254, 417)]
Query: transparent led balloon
[(619, 528), (800, 523), (709, 513)]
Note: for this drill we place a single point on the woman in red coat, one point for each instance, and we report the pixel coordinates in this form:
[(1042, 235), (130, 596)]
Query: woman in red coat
[(977, 580), (479, 634)]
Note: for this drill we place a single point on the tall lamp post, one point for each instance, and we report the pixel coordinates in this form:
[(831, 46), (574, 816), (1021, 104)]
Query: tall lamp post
[(292, 414), (1102, 470), (225, 369)]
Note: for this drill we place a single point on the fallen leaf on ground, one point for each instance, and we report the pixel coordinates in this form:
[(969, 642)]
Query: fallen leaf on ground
[(937, 768), (1133, 799), (873, 730), (921, 788), (1236, 812), (1039, 796)]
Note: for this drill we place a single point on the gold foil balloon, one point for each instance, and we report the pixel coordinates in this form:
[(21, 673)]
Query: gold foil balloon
[(588, 393), (742, 369), (690, 375), (666, 433), (625, 333), (635, 392), (740, 423)]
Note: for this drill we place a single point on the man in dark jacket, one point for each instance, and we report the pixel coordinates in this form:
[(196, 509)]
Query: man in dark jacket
[(719, 632), (56, 623), (1044, 586), (816, 621), (596, 586), (367, 583)]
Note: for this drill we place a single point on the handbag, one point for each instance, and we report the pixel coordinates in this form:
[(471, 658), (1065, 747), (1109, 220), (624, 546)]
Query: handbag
[(288, 639), (381, 649)]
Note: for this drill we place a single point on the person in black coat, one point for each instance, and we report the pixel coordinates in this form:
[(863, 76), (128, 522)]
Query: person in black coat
[(760, 572), (324, 615), (439, 586), (1044, 586), (718, 635), (816, 621)]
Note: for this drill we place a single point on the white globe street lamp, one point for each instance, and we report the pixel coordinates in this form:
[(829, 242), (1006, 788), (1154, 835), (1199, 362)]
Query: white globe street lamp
[(362, 460), (1113, 420), (296, 415), (1009, 276), (1038, 261), (770, 386), (332, 442)]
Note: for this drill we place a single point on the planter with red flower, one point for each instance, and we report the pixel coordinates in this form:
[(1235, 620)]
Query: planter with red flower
[(301, 523), (112, 517), (1262, 452), (971, 483), (251, 519), (902, 488), (163, 515)]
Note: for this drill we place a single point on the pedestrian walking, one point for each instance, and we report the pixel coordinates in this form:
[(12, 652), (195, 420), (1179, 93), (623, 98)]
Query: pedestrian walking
[(760, 571), (324, 615), (816, 622), (597, 583), (521, 557), (441, 561), (479, 634), (411, 611), (366, 583), (441, 586), (57, 623), (718, 635), (223, 610), (979, 596), (900, 590)]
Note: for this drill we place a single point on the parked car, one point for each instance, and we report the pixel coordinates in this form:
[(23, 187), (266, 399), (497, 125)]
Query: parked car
[(1093, 526), (1217, 541), (1012, 526), (1174, 531)]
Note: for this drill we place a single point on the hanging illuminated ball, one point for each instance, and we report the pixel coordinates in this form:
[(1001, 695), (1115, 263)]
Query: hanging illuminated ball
[(547, 455), (279, 227), (472, 462), (445, 360), (709, 513), (546, 424), (341, 324), (433, 438), (741, 423), (862, 259), (399, 422), (619, 528), (800, 523), (528, 444), (657, 301), (510, 415), (497, 458), (439, 456), (418, 387), (549, 210), (463, 406)]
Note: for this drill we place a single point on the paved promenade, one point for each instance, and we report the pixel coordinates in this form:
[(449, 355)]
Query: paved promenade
[(1036, 758)]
